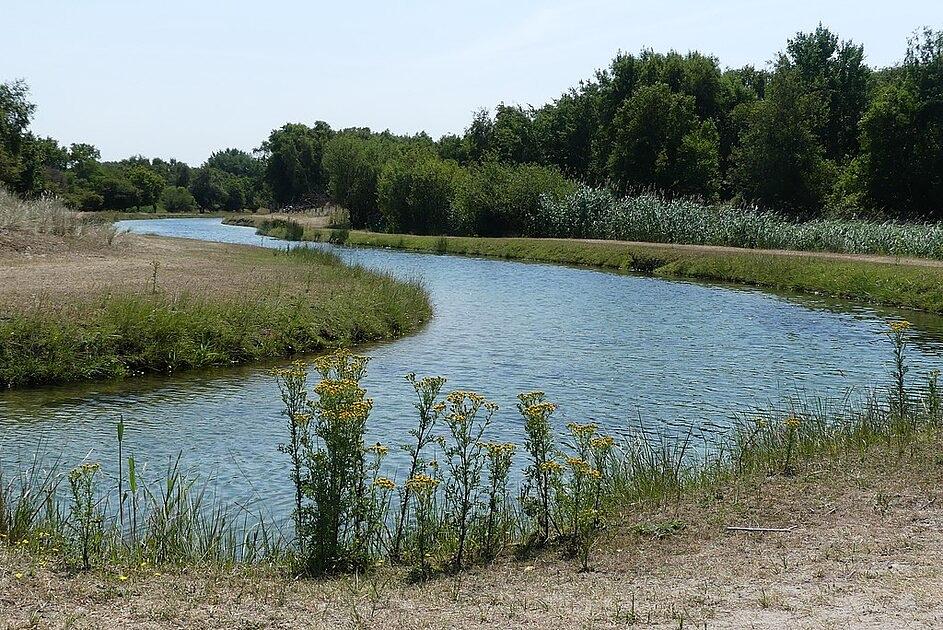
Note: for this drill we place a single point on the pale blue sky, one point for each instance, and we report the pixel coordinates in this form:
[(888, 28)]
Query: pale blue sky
[(181, 79)]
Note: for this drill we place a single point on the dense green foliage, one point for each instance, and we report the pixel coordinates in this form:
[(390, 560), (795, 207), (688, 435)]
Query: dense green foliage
[(597, 213), (817, 133)]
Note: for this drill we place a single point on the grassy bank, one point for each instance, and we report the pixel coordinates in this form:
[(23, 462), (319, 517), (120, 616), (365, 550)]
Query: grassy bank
[(79, 303), (263, 304), (906, 283)]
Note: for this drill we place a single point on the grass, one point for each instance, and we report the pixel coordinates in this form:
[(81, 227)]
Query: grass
[(289, 303), (885, 282), (48, 216)]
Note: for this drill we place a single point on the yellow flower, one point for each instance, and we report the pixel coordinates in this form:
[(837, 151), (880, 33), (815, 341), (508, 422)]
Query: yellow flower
[(793, 422), (605, 441), (899, 326), (385, 483), (122, 577), (582, 429), (18, 576)]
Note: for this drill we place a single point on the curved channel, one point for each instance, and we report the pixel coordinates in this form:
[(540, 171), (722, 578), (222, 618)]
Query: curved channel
[(610, 348)]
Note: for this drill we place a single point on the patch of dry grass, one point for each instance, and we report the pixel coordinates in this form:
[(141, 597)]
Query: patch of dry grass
[(865, 552), (21, 220)]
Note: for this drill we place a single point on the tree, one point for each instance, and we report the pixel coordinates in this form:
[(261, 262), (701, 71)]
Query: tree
[(177, 199), (659, 142), (352, 164), (148, 183), (833, 76), (415, 193), (780, 163), (293, 158), (479, 136), (235, 162), (901, 165), (512, 135), (208, 188)]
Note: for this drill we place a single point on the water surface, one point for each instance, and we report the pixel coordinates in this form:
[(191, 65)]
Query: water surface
[(608, 347)]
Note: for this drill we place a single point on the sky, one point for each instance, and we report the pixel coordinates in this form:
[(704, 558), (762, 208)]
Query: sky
[(184, 78)]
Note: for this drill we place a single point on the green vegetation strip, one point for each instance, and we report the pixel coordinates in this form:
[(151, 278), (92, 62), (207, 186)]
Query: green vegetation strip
[(901, 285), (320, 305)]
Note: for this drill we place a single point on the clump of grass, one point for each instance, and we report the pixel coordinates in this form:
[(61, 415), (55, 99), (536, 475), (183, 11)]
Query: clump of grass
[(48, 215)]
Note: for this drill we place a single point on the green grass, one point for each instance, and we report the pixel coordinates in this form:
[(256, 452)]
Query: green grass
[(322, 304), (888, 284)]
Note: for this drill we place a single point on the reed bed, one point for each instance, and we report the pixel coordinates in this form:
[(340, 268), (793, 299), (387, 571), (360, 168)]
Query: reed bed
[(597, 213)]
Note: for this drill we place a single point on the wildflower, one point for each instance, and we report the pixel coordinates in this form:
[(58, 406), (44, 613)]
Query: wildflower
[(793, 422), (384, 483), (18, 576), (122, 578), (584, 430), (422, 483), (899, 326), (551, 466), (602, 442)]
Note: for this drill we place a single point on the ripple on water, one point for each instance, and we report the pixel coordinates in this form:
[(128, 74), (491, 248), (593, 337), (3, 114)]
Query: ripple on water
[(608, 347)]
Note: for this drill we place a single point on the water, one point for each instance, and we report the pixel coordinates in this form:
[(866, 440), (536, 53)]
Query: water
[(608, 347)]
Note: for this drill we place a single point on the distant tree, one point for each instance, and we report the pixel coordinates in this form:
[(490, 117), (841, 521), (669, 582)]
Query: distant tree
[(512, 136), (208, 187), (901, 166), (415, 193), (235, 162), (833, 76), (293, 157), (83, 160), (352, 164), (659, 142), (177, 199), (780, 163), (148, 183), (479, 136), (452, 147)]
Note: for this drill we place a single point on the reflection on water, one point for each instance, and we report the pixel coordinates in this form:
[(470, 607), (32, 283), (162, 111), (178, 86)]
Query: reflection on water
[(608, 347)]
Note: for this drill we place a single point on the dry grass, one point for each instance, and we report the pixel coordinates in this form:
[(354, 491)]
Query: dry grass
[(866, 552), (22, 221), (69, 276)]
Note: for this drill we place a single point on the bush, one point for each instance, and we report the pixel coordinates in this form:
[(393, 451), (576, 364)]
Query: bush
[(177, 199), (415, 194), (498, 200)]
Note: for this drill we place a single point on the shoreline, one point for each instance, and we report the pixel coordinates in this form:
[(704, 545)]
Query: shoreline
[(159, 305), (879, 280)]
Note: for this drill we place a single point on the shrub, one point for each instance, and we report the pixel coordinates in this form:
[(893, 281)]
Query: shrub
[(177, 199), (497, 199)]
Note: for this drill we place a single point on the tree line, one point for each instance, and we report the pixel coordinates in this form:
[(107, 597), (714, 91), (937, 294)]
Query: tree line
[(817, 133)]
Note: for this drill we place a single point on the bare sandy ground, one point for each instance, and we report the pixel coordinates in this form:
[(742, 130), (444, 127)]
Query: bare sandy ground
[(866, 551)]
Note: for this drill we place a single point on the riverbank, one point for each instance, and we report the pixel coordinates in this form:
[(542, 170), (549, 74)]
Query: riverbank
[(862, 549), (899, 282), (73, 311)]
